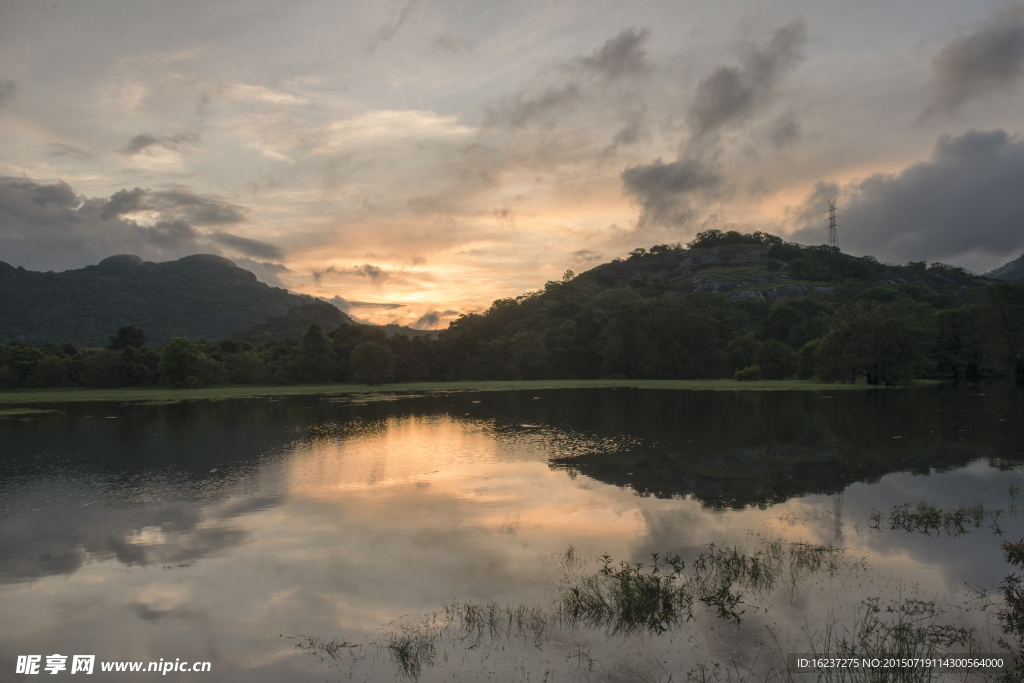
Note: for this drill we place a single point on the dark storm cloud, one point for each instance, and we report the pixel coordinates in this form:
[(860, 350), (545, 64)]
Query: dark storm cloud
[(730, 94), (665, 191), (182, 204), (7, 89), (374, 273), (621, 56), (985, 61), (520, 111), (966, 198), (58, 149), (247, 246), (49, 227), (59, 195)]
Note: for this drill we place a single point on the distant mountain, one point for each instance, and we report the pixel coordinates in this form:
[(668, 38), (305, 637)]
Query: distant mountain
[(294, 324), (197, 296), (1014, 270), (392, 329)]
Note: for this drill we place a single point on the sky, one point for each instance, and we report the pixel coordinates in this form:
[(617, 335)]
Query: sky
[(414, 160)]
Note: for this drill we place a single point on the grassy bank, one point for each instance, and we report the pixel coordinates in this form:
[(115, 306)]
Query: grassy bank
[(169, 395)]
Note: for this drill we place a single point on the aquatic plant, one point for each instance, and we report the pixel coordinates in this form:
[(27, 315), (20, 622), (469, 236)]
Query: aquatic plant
[(913, 631), (411, 650), (473, 621), (928, 518), (320, 648), (634, 598)]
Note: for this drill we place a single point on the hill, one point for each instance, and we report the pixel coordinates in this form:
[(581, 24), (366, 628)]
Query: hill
[(724, 303), (1014, 270), (727, 305), (196, 296)]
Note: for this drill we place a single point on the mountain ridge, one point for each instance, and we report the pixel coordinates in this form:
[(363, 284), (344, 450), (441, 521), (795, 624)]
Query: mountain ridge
[(197, 296)]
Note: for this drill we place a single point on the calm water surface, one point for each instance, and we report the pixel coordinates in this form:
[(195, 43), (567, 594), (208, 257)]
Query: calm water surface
[(241, 532)]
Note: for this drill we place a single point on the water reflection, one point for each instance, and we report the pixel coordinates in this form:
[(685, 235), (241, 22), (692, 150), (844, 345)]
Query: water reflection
[(216, 530)]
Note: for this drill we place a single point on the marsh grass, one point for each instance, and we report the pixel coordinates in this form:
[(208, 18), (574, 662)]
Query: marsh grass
[(928, 518), (902, 628), (411, 650), (634, 598), (473, 622), (322, 649)]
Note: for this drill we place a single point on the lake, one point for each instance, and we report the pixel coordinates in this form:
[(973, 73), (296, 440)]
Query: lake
[(506, 535)]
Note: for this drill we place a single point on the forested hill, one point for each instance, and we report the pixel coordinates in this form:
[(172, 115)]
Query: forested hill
[(197, 296), (726, 305), (730, 302)]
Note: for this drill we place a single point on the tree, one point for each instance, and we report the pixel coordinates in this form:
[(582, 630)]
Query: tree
[(740, 352), (960, 343), (373, 363), (1006, 301), (316, 356), (179, 360), (886, 343), (776, 360), (128, 336)]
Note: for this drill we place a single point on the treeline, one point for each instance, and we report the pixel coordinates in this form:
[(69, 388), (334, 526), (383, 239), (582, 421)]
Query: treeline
[(884, 332)]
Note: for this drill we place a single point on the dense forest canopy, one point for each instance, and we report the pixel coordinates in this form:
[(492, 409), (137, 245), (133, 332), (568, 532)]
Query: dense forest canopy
[(749, 306)]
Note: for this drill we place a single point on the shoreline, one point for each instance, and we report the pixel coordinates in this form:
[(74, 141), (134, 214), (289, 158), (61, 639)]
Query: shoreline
[(163, 394)]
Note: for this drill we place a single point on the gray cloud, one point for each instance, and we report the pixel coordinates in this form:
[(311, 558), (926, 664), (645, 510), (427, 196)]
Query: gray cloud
[(586, 255), (388, 31), (345, 305), (139, 143), (521, 111), (144, 141), (375, 274), (965, 202), (249, 247), (621, 56), (7, 89), (784, 131), (731, 94), (181, 204), (60, 195), (265, 271), (665, 191), (58, 149), (979, 63), (430, 320), (427, 321)]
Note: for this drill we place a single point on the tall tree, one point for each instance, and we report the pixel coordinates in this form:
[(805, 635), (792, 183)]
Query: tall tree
[(1007, 304)]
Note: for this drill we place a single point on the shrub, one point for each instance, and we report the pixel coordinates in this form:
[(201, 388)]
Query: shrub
[(750, 374)]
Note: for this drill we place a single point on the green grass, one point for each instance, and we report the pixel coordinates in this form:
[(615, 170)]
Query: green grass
[(168, 395)]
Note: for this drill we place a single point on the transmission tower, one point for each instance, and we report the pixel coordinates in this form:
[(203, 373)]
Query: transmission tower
[(833, 236)]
